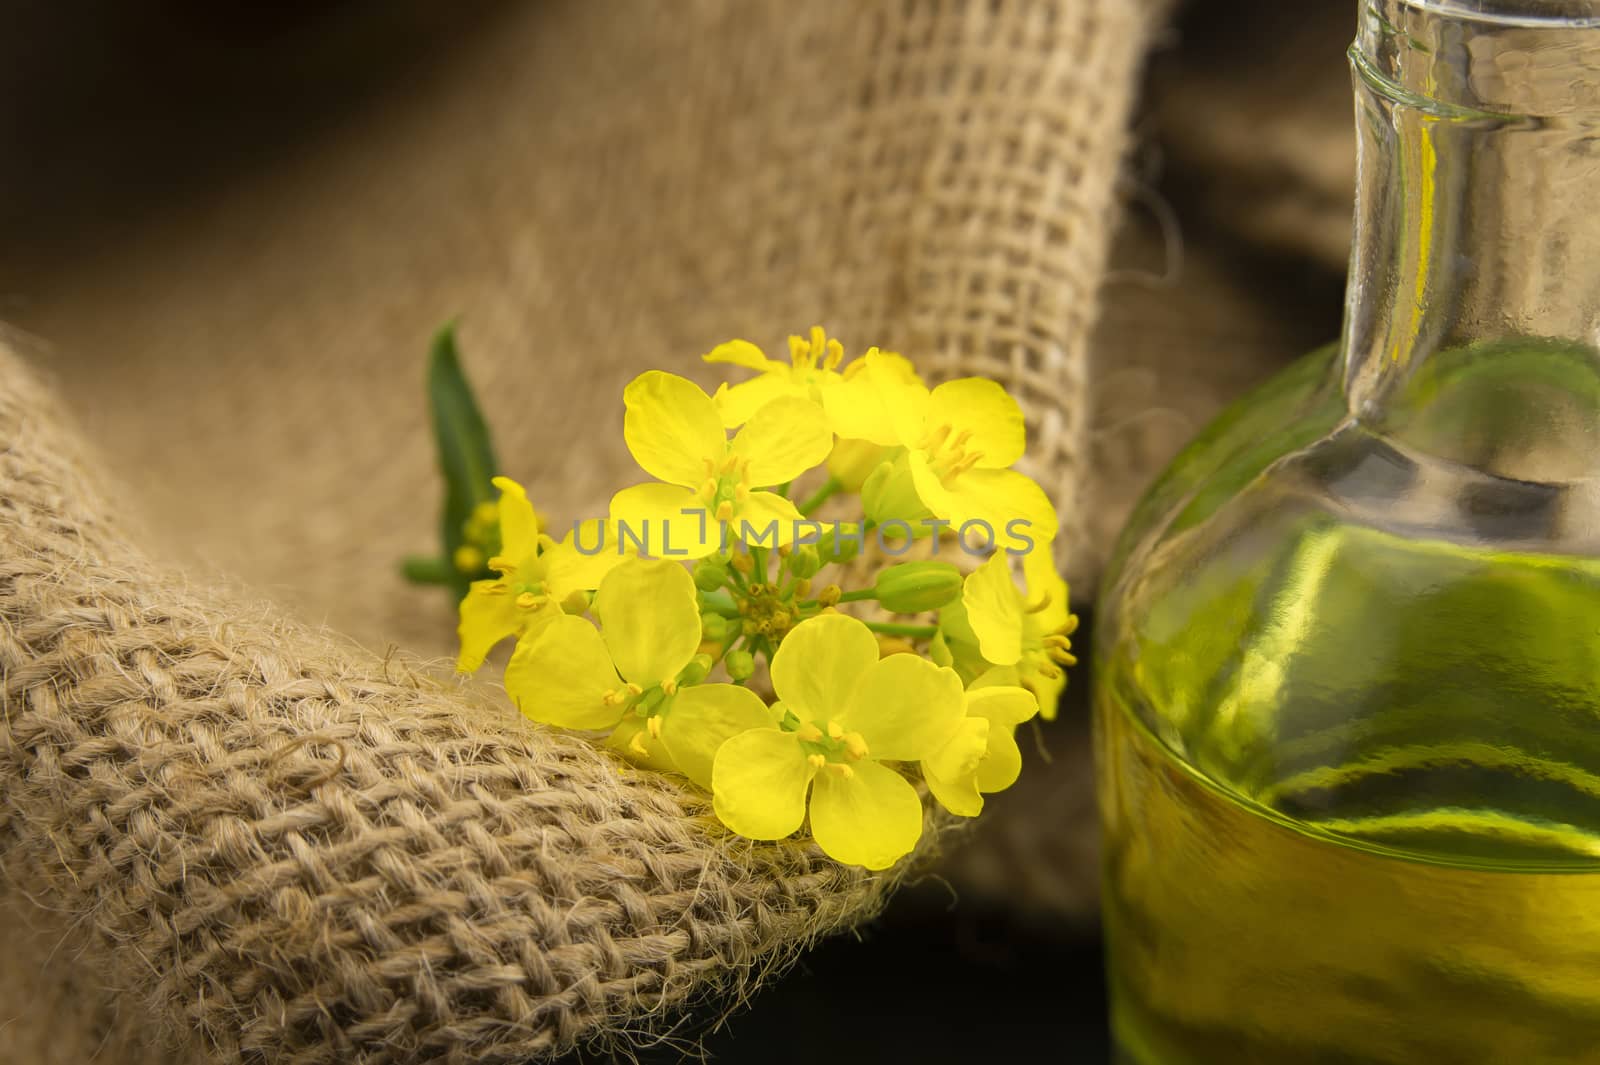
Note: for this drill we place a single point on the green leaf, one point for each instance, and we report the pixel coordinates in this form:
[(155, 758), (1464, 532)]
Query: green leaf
[(466, 454)]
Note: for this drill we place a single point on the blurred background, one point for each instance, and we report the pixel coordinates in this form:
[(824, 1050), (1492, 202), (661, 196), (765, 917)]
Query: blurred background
[(203, 205)]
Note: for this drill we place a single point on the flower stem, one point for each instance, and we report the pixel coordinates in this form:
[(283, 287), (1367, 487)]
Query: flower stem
[(895, 628), (859, 595), (829, 488)]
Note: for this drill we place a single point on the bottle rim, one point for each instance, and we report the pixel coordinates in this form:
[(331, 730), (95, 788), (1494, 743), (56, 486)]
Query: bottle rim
[(1530, 14), (1519, 59)]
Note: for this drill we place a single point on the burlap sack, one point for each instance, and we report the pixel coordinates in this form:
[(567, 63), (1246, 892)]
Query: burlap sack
[(269, 844)]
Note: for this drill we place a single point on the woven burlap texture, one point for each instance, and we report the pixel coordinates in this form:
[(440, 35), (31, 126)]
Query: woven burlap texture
[(303, 854), (259, 842)]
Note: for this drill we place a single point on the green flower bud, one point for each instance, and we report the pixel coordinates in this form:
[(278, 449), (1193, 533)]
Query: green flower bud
[(710, 574), (913, 587), (713, 627), (841, 543), (890, 495), (741, 664), (697, 669), (805, 561)]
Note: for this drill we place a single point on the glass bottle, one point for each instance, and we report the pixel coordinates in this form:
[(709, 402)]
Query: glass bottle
[(1348, 652)]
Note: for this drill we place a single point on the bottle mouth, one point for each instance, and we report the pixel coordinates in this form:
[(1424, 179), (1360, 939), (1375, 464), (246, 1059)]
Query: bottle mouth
[(1498, 58), (1530, 14)]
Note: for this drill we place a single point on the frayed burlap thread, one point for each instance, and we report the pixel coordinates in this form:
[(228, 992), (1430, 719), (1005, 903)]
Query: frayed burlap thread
[(283, 849)]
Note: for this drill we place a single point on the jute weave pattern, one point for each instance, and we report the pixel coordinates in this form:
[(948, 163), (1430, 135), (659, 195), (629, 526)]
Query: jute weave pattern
[(271, 846), (303, 854)]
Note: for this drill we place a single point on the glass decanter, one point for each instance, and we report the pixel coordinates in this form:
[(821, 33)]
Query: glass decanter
[(1348, 652)]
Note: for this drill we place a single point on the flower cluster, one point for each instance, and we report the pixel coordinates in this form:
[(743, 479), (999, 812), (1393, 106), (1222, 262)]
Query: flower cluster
[(695, 628)]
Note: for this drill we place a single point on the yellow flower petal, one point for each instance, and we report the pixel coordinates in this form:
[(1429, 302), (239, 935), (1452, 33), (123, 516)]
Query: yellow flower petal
[(851, 462), (1039, 571), (981, 407), (561, 674), (951, 772), (650, 619), (743, 353), (996, 677), (519, 525), (736, 403), (877, 403), (672, 427), (960, 643), (701, 719), (1004, 708), (782, 440), (630, 736), (1015, 510), (489, 614), (583, 558), (894, 366), (904, 706), (820, 662), (872, 817), (663, 520), (995, 610), (759, 781), (765, 519), (1046, 690)]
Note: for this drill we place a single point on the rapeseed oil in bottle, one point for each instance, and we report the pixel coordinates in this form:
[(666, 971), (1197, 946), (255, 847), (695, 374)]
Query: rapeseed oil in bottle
[(1348, 652)]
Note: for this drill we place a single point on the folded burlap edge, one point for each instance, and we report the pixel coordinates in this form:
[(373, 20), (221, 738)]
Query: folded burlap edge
[(287, 848)]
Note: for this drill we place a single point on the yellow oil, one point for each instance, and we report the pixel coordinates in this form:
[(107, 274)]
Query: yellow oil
[(1348, 717), (1238, 936)]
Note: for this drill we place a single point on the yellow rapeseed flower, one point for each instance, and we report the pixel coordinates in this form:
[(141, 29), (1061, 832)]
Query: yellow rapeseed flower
[(855, 711), (1030, 633), (850, 394), (981, 755), (815, 371), (960, 439), (537, 576), (706, 481), (626, 675)]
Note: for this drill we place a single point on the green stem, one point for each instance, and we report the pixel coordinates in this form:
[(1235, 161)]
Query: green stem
[(821, 496), (420, 569), (829, 488), (859, 595), (895, 628)]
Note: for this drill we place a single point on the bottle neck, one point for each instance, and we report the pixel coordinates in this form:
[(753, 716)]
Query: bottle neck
[(1475, 270)]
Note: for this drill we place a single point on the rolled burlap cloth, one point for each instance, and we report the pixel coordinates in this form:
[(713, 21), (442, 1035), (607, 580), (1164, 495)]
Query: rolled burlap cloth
[(255, 841), (283, 848)]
